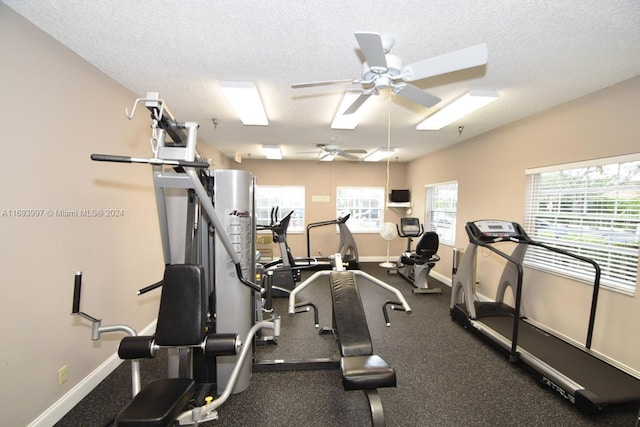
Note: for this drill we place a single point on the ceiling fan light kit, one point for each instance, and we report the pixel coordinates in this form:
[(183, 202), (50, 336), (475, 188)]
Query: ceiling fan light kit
[(466, 104), (245, 100)]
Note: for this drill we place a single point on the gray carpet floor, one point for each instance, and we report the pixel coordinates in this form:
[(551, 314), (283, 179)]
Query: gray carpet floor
[(446, 376)]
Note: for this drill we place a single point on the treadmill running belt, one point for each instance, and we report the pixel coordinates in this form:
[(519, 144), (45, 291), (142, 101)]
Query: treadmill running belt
[(610, 384)]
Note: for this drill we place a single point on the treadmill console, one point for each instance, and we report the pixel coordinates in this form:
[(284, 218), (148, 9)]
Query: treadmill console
[(493, 230)]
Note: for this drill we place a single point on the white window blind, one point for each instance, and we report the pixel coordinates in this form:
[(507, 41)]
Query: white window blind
[(592, 209), (441, 209)]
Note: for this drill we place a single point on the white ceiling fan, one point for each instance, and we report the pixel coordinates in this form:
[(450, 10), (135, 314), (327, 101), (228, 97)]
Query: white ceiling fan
[(329, 151), (383, 70)]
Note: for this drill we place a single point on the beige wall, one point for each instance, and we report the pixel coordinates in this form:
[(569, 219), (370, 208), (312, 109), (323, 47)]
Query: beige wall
[(490, 171), (56, 110), (321, 179)]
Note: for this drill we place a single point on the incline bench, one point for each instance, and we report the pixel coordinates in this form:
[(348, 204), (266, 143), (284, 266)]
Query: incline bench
[(361, 369)]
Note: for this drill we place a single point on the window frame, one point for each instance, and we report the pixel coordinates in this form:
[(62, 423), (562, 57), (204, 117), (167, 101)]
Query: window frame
[(446, 234), (279, 196), (355, 220)]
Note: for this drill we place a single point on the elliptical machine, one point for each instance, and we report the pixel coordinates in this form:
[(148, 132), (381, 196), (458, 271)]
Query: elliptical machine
[(284, 270), (414, 266), (346, 247)]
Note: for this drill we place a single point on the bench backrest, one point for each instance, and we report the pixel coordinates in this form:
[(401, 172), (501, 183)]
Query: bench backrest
[(183, 306), (349, 320)]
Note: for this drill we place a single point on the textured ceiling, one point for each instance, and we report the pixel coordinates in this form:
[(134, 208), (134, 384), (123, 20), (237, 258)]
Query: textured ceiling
[(541, 54)]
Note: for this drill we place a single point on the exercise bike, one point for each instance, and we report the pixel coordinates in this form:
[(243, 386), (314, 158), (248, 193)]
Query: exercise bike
[(414, 266)]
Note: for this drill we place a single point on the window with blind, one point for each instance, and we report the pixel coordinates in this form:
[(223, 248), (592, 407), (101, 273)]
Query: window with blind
[(589, 208), (286, 199), (441, 207), (366, 205)]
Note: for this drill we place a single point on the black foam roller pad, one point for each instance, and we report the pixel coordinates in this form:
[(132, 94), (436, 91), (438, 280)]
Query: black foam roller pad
[(139, 347)]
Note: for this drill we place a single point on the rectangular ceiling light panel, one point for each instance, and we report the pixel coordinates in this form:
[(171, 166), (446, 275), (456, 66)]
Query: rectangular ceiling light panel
[(379, 154), (466, 104), (245, 100), (272, 152)]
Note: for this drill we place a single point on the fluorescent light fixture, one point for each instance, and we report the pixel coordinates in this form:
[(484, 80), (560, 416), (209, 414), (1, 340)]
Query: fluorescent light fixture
[(272, 152), (245, 100), (348, 121), (379, 154), (466, 104), (327, 157)]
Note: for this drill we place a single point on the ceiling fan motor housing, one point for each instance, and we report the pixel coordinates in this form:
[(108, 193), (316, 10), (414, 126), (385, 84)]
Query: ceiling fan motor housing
[(392, 72)]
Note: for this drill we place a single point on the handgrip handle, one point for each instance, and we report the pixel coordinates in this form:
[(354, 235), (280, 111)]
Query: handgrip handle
[(110, 158), (393, 305), (77, 287), (150, 287)]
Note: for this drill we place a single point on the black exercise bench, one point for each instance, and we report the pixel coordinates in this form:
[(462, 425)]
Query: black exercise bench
[(361, 369)]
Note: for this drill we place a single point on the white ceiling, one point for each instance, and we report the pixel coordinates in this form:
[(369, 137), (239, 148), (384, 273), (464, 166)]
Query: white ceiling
[(541, 53)]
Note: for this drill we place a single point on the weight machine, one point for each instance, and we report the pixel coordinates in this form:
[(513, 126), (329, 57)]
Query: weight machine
[(207, 302)]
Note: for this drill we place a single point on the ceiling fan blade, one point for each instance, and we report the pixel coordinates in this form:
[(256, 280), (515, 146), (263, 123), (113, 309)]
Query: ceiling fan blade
[(453, 61), (416, 94), (373, 50), (324, 83), (324, 154), (356, 104), (355, 151), (348, 156)]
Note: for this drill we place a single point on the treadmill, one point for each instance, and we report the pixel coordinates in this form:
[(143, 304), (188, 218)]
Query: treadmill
[(572, 370)]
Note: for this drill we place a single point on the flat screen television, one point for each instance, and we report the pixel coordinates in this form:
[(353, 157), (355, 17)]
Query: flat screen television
[(400, 196)]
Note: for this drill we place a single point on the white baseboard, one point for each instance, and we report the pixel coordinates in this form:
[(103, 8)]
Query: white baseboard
[(60, 408), (441, 277)]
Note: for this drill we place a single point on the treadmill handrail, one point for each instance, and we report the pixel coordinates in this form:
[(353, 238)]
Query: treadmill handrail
[(518, 296), (513, 356), (596, 284)]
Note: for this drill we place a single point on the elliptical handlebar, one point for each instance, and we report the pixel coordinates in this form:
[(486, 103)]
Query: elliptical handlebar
[(343, 219)]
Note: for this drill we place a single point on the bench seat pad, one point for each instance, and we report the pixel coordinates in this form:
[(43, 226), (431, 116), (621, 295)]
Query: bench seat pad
[(157, 404), (366, 373)]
